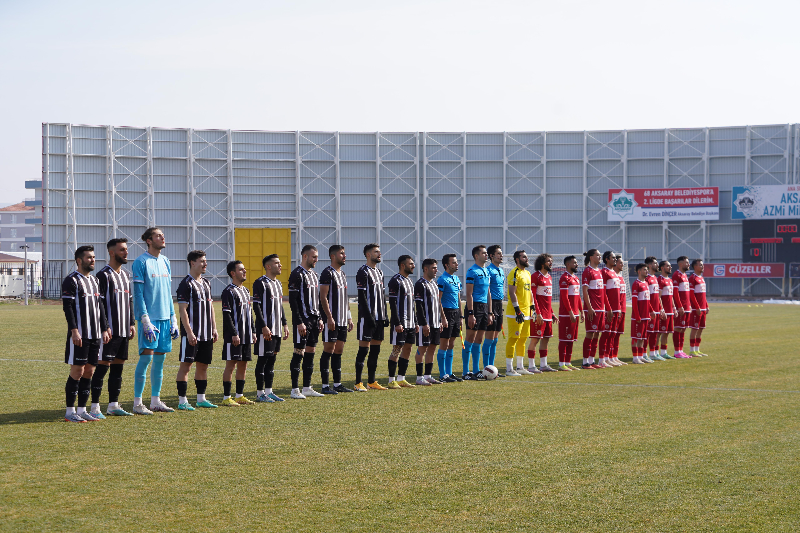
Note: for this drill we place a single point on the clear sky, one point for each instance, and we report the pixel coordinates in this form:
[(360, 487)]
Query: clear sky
[(407, 65)]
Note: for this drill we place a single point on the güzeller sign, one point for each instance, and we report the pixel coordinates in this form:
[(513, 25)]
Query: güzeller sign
[(744, 270)]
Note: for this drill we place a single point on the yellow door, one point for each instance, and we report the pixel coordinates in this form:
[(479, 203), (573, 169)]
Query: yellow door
[(254, 244)]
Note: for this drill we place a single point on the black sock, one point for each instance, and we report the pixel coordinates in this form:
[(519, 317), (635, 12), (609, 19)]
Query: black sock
[(239, 386), (361, 355), (72, 391), (392, 368), (84, 390), (97, 382), (372, 361), (294, 367), (114, 382), (402, 366), (200, 385), (226, 388), (419, 369), (428, 368), (308, 368), (324, 363), (269, 371), (260, 362), (182, 386), (336, 367)]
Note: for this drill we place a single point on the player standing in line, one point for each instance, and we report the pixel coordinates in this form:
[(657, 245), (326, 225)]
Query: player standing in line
[(238, 334), (569, 312), (270, 326), (115, 295), (306, 321), (198, 330), (476, 309), (87, 329), (665, 289), (497, 282), (641, 315), (543, 304), (655, 307), (450, 295), (403, 325), (680, 295), (158, 326), (519, 312), (697, 296), (430, 322), (611, 282), (623, 305), (372, 317), (596, 307), (336, 317)]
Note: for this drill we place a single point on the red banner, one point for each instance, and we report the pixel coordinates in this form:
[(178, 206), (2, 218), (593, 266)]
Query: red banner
[(744, 270)]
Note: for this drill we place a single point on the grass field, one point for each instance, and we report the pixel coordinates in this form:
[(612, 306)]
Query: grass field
[(707, 444)]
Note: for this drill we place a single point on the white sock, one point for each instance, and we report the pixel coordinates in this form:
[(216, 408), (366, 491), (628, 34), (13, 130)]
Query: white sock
[(201, 397), (296, 391), (268, 391), (239, 395), (509, 364), (427, 376), (182, 399), (542, 361), (154, 400), (81, 410), (137, 401), (260, 392), (391, 378), (70, 410), (95, 408), (113, 405), (226, 398), (401, 378), (335, 385), (520, 361), (307, 389)]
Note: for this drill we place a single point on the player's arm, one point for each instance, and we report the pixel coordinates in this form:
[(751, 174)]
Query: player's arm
[(69, 292), (469, 303), (676, 298), (693, 299), (441, 308), (635, 305), (325, 306), (183, 310), (489, 302), (394, 289), (609, 313), (258, 309), (422, 320), (362, 284), (227, 317), (512, 299), (586, 302)]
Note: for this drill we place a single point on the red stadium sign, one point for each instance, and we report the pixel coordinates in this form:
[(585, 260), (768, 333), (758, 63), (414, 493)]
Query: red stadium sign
[(744, 270)]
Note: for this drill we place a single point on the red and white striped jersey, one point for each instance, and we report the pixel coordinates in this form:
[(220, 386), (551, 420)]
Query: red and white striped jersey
[(543, 295), (623, 292), (570, 294), (665, 288), (611, 282), (593, 278), (681, 290), (697, 286), (652, 284), (640, 300)]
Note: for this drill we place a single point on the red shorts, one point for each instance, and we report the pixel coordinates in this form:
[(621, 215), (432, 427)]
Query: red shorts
[(698, 320), (621, 322), (681, 322), (595, 326), (668, 325), (651, 324), (567, 329), (639, 329), (543, 331), (611, 325)]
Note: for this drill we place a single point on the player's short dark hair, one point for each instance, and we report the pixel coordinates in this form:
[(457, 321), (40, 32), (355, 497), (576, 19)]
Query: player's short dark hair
[(427, 262), (661, 264), (640, 266), (681, 258), (402, 259), (608, 255), (82, 250), (232, 266), (115, 241), (307, 248), (268, 258), (568, 259), (446, 259), (587, 255), (148, 233), (541, 259), (335, 249), (194, 255), (618, 256), (518, 254), (650, 259), (695, 261), (493, 249), (477, 249), (371, 246)]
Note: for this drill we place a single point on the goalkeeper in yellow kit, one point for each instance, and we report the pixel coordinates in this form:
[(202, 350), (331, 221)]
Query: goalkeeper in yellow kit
[(519, 314)]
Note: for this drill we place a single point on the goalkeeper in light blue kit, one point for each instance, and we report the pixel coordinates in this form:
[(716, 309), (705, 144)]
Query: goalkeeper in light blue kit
[(153, 310)]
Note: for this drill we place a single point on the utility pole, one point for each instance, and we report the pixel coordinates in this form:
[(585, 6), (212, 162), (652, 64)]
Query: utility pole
[(25, 272)]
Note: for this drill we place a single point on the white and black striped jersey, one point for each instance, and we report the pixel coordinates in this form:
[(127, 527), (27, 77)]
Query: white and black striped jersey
[(401, 301), (337, 295), (306, 283), (82, 295), (268, 304), (427, 293), (239, 319), (115, 293), (196, 293), (370, 280)]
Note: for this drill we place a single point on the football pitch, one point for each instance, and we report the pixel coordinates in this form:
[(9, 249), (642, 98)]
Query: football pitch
[(710, 444)]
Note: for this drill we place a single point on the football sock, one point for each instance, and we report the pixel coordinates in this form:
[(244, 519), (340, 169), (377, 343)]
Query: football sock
[(603, 345), (531, 359), (97, 382), (676, 341), (465, 357), (182, 387), (294, 368), (84, 390), (200, 385), (72, 391), (259, 372), (140, 374), (392, 369), (428, 369), (441, 356), (361, 355), (239, 387), (226, 390), (562, 352), (336, 368), (157, 374), (520, 361), (587, 348), (595, 342), (372, 361), (449, 362), (402, 368), (114, 382), (476, 358), (569, 351), (509, 364), (542, 358), (486, 350), (420, 369), (493, 353), (308, 368), (324, 364)]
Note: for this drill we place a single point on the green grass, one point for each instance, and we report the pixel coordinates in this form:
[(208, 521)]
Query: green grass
[(698, 445)]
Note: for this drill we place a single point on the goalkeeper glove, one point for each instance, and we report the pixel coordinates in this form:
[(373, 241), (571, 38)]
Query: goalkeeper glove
[(148, 329), (520, 318), (173, 329)]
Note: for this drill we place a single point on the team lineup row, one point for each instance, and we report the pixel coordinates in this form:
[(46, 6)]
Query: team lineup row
[(103, 311)]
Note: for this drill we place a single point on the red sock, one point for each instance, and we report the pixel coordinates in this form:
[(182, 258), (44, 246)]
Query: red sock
[(615, 350), (697, 342), (652, 340), (683, 338), (664, 347), (587, 347), (562, 351), (604, 337), (569, 351), (593, 347), (532, 357), (676, 341), (542, 354)]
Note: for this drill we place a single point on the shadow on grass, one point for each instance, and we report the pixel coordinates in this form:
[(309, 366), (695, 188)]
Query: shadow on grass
[(32, 417)]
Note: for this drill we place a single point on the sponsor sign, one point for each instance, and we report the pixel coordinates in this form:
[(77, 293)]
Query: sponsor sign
[(765, 202), (744, 270), (697, 203), (794, 270)]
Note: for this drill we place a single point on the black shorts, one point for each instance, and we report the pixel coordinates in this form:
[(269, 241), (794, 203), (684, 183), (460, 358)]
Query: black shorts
[(453, 328), (264, 347), (366, 333), (334, 335), (202, 352), (497, 311), (434, 338), (243, 352), (117, 348), (481, 311), (312, 335), (399, 339), (85, 354)]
